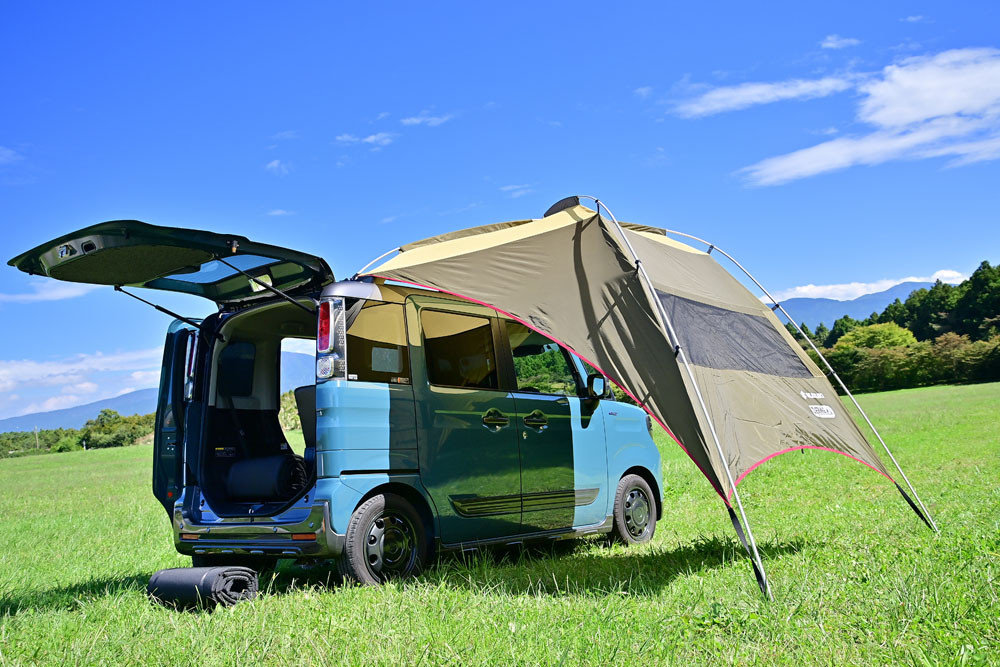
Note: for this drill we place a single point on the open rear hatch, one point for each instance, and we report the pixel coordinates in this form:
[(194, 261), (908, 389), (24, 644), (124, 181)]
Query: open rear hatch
[(225, 268)]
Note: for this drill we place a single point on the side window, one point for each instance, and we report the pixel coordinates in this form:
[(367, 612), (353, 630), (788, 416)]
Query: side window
[(376, 345), (540, 365), (459, 350)]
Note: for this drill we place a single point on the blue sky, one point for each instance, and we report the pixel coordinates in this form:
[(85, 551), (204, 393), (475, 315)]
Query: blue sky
[(834, 149)]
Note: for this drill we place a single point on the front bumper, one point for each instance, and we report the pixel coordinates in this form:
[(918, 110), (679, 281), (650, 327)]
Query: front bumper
[(261, 538)]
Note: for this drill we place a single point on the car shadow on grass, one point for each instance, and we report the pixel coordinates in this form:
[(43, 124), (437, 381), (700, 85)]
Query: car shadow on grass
[(560, 568)]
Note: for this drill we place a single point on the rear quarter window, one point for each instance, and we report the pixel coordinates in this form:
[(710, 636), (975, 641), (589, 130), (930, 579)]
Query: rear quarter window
[(376, 345)]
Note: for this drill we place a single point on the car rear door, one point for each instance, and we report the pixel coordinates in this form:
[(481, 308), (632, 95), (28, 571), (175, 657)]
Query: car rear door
[(468, 448), (177, 374), (226, 268)]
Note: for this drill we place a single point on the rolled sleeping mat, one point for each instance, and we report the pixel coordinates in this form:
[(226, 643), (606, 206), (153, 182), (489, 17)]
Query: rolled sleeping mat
[(203, 587), (276, 477)]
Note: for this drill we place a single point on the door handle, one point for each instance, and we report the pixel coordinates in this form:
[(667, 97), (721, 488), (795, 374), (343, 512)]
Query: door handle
[(536, 419), (495, 420)]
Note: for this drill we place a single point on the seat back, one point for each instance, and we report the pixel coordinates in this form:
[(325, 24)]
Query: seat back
[(305, 402)]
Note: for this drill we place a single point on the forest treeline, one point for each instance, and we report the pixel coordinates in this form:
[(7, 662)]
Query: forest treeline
[(108, 429), (945, 334)]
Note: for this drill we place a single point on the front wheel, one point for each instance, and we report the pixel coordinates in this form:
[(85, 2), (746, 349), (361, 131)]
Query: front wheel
[(386, 539), (635, 511)]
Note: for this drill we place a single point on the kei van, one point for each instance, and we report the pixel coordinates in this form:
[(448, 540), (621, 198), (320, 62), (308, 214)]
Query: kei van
[(432, 423)]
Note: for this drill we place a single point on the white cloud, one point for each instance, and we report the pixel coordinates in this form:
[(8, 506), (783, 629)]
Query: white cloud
[(515, 191), (384, 114), (280, 211), (378, 139), (30, 373), (299, 346), (53, 403), (145, 379), (838, 42), (918, 18), (643, 92), (387, 219), (9, 156), (731, 98), (848, 291), (279, 167), (45, 289), (922, 107), (425, 118), (80, 388), (285, 134)]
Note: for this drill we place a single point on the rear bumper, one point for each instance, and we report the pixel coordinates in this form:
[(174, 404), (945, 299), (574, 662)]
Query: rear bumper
[(262, 538)]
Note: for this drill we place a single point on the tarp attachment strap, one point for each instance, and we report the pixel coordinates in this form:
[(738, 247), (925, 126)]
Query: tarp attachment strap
[(761, 579), (775, 307)]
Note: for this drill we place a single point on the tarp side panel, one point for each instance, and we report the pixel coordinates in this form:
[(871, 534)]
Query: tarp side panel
[(757, 416), (764, 394), (571, 281)]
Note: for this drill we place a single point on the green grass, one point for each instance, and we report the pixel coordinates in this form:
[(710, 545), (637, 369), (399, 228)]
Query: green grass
[(857, 578)]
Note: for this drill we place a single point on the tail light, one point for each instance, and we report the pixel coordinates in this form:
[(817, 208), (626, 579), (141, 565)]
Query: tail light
[(331, 340), (323, 328)]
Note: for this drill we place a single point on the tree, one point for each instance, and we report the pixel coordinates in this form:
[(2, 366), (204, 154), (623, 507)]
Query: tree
[(896, 313), (821, 334), (840, 327), (977, 309), (931, 311), (877, 336)]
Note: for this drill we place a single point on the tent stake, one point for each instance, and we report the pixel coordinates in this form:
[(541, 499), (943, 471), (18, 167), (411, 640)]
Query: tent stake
[(661, 314), (926, 516)]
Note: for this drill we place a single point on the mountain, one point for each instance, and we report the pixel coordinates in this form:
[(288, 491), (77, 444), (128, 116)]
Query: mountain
[(827, 311), (296, 370), (139, 402)]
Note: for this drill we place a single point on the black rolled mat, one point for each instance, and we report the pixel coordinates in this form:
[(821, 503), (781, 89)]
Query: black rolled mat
[(203, 586)]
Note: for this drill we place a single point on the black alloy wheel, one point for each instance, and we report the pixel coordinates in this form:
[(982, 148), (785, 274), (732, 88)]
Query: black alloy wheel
[(635, 511)]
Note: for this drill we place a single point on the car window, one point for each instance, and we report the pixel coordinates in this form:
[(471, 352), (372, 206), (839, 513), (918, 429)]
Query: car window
[(459, 350), (376, 345), (540, 365)]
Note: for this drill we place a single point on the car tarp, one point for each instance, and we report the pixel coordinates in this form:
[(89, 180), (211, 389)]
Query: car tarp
[(570, 277)]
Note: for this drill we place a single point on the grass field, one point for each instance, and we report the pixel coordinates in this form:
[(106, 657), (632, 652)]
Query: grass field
[(857, 578)]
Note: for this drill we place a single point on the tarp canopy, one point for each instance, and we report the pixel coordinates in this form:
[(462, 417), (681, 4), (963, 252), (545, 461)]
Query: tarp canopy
[(570, 277)]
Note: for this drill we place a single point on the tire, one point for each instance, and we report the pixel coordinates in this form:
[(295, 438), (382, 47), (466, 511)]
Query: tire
[(386, 539), (635, 511)]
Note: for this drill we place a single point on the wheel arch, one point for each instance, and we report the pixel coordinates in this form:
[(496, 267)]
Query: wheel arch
[(413, 496), (651, 480)]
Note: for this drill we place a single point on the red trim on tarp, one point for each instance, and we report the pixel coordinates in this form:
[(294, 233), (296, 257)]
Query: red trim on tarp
[(793, 449)]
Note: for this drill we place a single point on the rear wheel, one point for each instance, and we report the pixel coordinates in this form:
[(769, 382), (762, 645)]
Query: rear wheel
[(635, 511), (386, 539)]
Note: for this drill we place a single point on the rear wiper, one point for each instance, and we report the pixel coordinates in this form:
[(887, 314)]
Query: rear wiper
[(187, 320), (271, 289)]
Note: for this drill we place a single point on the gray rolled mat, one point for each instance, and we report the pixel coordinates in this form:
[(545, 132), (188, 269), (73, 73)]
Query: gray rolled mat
[(203, 586)]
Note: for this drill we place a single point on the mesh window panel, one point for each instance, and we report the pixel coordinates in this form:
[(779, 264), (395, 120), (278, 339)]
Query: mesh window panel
[(724, 339)]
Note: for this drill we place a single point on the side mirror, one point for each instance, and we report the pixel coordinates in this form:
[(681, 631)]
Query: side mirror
[(597, 386)]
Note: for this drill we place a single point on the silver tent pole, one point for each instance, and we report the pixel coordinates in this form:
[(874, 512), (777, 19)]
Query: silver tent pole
[(815, 349), (385, 254), (666, 324)]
